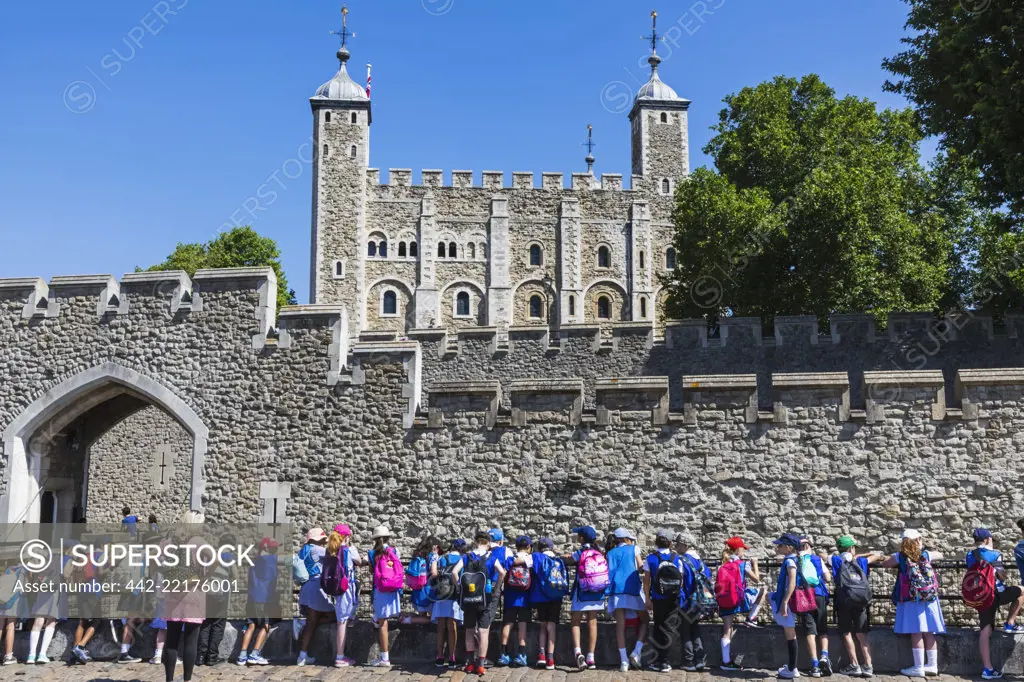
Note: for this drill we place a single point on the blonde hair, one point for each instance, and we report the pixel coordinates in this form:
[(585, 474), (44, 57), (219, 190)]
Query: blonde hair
[(333, 543), (910, 549), (727, 554)]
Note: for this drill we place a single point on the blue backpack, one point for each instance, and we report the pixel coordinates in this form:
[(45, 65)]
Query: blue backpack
[(300, 576), (551, 577), (1018, 555)]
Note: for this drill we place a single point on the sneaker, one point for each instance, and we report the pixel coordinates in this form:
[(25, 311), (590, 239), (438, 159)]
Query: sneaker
[(690, 668), (912, 671), (41, 659), (541, 660), (486, 663), (1013, 629), (31, 660), (340, 663), (867, 671), (9, 659), (79, 656), (242, 660), (504, 660), (480, 670), (591, 664), (581, 661), (305, 659), (825, 665), (634, 660), (379, 662), (852, 670), (439, 662), (469, 668), (700, 667), (787, 674), (127, 658), (931, 672), (752, 625), (520, 661), (732, 665), (816, 671), (451, 662), (349, 660), (624, 667), (551, 663), (257, 659), (987, 674)]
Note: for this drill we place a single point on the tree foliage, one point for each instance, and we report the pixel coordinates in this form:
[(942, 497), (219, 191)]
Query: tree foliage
[(240, 247), (964, 71), (819, 205)]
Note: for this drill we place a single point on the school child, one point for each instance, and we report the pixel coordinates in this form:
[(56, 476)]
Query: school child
[(13, 607), (153, 526), (694, 606), (918, 612), (588, 591), (130, 625), (445, 575), (48, 608), (129, 522), (388, 579), (549, 587), (482, 579), (663, 581), (260, 596), (417, 575), (983, 554), (339, 544), (316, 604), (516, 610), (625, 593), (853, 603), (787, 547), (731, 581), (211, 632), (1018, 550), (814, 625)]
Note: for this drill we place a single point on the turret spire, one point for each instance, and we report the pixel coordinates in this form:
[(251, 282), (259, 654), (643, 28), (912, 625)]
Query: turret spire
[(589, 144), (345, 34), (654, 59)]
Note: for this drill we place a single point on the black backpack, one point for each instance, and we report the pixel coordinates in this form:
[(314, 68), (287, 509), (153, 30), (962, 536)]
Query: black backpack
[(443, 586), (854, 589), (668, 579), (474, 581)]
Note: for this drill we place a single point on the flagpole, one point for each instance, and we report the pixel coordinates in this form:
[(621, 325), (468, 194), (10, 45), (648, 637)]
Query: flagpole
[(367, 80)]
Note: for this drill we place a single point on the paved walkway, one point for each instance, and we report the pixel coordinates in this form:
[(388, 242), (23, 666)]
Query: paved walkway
[(234, 673)]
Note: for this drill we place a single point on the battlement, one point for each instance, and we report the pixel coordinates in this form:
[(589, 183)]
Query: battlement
[(491, 180)]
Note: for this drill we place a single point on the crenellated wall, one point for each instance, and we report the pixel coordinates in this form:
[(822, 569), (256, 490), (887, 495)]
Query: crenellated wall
[(533, 430)]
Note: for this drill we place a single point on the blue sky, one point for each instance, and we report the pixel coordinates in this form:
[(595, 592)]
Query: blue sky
[(130, 126)]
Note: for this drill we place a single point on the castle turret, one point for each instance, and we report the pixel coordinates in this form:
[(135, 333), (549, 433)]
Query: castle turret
[(341, 136), (660, 132)]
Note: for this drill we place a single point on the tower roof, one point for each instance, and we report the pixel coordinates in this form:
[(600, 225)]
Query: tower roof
[(655, 90), (342, 87)]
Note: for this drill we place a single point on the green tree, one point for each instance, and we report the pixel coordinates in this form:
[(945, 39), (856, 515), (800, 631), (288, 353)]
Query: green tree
[(819, 205), (964, 71), (240, 247)]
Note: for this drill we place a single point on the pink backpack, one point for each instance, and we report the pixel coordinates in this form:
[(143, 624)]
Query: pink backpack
[(388, 575), (593, 571)]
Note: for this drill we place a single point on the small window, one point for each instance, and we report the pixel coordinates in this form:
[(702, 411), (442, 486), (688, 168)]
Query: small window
[(643, 308), (664, 117), (339, 269), (665, 186), (327, 117), (642, 260), (604, 308), (472, 251), (325, 150), (440, 249), (670, 258), (352, 152), (413, 251), (401, 249), (355, 117), (390, 304), (536, 307), (572, 306), (462, 304), (604, 257), (452, 250), (371, 249), (382, 250), (483, 250), (535, 254)]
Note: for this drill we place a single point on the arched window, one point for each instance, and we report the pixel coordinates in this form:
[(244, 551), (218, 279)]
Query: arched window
[(352, 152), (665, 186), (483, 250), (572, 306), (355, 117), (325, 150), (339, 269), (371, 249), (413, 251), (382, 249), (664, 117), (604, 308), (536, 307), (670, 258), (604, 257), (440, 249), (641, 260), (327, 117), (452, 250), (535, 255), (389, 306), (472, 251), (401, 249), (643, 308), (462, 304)]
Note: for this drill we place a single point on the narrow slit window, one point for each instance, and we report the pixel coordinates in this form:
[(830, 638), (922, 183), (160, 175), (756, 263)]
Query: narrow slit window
[(536, 307), (371, 249), (670, 258), (604, 257), (536, 257), (462, 304), (604, 308), (440, 249), (327, 117), (390, 306), (572, 306), (453, 250), (413, 251), (401, 249), (355, 117)]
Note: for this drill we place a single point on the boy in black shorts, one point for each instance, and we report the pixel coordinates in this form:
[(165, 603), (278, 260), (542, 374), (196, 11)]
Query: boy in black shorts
[(548, 610), (516, 609)]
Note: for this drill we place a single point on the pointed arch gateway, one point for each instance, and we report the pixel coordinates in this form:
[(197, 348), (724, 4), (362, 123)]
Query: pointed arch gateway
[(65, 402)]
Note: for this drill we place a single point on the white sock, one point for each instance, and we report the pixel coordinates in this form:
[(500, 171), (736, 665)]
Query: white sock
[(622, 655), (125, 647), (918, 658), (33, 640), (302, 654), (725, 650), (255, 652), (577, 651), (933, 658), (752, 616), (47, 637), (158, 653), (385, 656), (638, 648)]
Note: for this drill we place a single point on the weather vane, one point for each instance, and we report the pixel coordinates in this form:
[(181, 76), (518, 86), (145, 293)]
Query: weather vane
[(654, 32), (589, 144), (344, 32)]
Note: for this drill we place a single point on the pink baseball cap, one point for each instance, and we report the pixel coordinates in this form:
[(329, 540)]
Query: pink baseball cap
[(315, 535), (343, 529)]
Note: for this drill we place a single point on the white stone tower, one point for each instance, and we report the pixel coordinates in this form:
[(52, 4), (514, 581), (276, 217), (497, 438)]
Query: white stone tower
[(341, 140), (659, 132)]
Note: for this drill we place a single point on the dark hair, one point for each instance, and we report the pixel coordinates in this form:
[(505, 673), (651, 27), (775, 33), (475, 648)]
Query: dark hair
[(425, 547), (662, 543), (227, 539), (482, 536), (1020, 524), (126, 510), (610, 542), (152, 518)]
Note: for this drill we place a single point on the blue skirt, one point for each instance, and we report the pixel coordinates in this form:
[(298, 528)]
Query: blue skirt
[(914, 617)]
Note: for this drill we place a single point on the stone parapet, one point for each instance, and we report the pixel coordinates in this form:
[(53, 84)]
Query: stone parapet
[(617, 395), (810, 389), (450, 397), (882, 388), (711, 396), (544, 399), (976, 387)]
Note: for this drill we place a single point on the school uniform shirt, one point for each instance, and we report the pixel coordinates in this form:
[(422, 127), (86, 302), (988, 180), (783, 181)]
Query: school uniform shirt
[(782, 584), (689, 577), (837, 563), (517, 599), (129, 524), (622, 570), (262, 578), (584, 601), (994, 558), (536, 596), (655, 559)]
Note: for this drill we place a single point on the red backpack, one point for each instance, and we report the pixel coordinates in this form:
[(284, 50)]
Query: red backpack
[(729, 586), (979, 584)]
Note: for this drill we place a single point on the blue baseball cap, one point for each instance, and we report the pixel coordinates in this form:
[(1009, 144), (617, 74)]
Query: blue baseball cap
[(546, 543), (496, 535), (788, 539), (587, 532), (982, 534), (459, 543), (523, 540)]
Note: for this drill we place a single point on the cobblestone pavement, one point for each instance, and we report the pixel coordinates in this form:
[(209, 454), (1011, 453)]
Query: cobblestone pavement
[(399, 673)]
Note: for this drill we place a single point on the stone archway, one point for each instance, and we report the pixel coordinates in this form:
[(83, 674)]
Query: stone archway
[(61, 405)]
